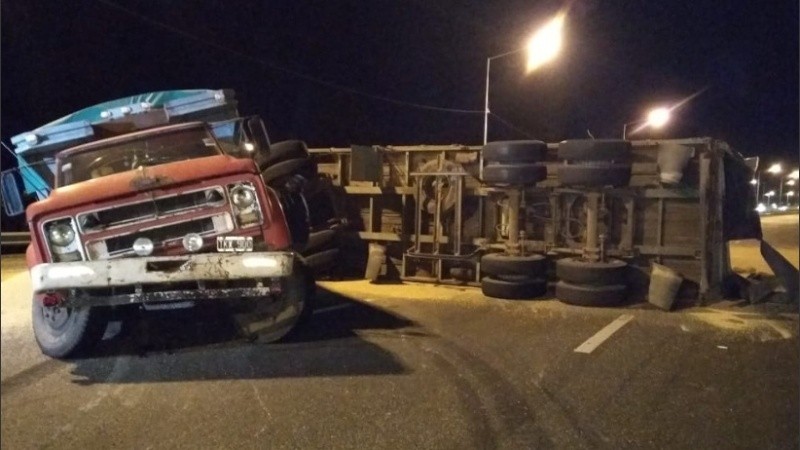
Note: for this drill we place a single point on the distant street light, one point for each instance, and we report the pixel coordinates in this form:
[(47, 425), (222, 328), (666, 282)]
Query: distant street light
[(543, 47), (795, 174), (757, 183), (791, 183), (775, 169), (656, 118)]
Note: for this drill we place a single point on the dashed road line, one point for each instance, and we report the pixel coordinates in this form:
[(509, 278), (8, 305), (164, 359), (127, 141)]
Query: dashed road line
[(601, 336)]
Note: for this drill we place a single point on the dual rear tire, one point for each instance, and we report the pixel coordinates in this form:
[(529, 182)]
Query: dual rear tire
[(513, 277), (514, 163), (591, 283)]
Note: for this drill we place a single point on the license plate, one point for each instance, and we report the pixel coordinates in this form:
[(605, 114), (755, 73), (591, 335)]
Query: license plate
[(234, 243)]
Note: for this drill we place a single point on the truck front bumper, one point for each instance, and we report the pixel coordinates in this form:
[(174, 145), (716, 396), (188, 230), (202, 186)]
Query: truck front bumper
[(149, 278)]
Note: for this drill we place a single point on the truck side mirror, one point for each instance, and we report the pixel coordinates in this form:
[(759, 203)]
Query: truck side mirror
[(257, 133), (12, 200)]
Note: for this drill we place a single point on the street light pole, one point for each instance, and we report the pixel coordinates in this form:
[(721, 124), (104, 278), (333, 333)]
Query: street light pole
[(486, 99), (486, 104), (542, 47), (656, 118), (625, 127), (758, 188)]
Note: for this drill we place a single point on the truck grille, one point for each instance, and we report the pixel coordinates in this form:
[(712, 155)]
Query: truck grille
[(121, 245), (150, 209), (161, 234)]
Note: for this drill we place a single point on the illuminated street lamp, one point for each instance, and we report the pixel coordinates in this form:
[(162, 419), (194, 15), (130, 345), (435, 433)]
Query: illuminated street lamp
[(542, 48), (776, 169), (545, 44), (656, 118), (791, 182), (788, 198), (769, 196), (794, 175)]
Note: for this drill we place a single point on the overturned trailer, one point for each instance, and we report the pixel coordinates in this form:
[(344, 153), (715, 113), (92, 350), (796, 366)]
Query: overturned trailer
[(433, 212)]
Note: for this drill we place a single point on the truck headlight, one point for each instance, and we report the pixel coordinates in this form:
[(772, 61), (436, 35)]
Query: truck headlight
[(245, 204), (242, 197), (61, 234)]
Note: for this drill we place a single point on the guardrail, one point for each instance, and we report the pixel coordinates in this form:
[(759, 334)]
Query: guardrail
[(14, 241)]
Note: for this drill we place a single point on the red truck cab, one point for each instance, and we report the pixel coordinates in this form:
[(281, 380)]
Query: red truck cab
[(160, 217)]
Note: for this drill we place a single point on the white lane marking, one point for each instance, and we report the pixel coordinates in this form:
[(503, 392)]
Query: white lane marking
[(332, 308), (593, 342), (786, 334)]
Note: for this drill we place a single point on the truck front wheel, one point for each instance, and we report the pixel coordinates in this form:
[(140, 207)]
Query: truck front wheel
[(62, 332), (273, 321)]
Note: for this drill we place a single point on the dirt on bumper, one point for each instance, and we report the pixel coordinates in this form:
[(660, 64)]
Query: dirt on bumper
[(160, 270)]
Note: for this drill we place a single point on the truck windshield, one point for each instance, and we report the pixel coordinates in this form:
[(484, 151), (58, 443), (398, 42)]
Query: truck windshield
[(149, 150)]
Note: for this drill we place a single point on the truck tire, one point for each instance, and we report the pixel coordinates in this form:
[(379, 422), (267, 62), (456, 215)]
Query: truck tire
[(500, 264), (609, 150), (514, 290), (318, 239), (515, 151), (320, 261), (273, 322), (325, 203), (579, 271), (586, 295), (284, 151), (595, 175), (295, 212), (508, 174), (273, 175), (63, 332)]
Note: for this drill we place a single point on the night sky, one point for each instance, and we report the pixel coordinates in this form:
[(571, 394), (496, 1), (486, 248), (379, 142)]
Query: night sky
[(619, 58)]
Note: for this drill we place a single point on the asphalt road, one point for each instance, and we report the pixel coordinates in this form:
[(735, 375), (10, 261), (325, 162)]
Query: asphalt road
[(780, 231), (417, 366)]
